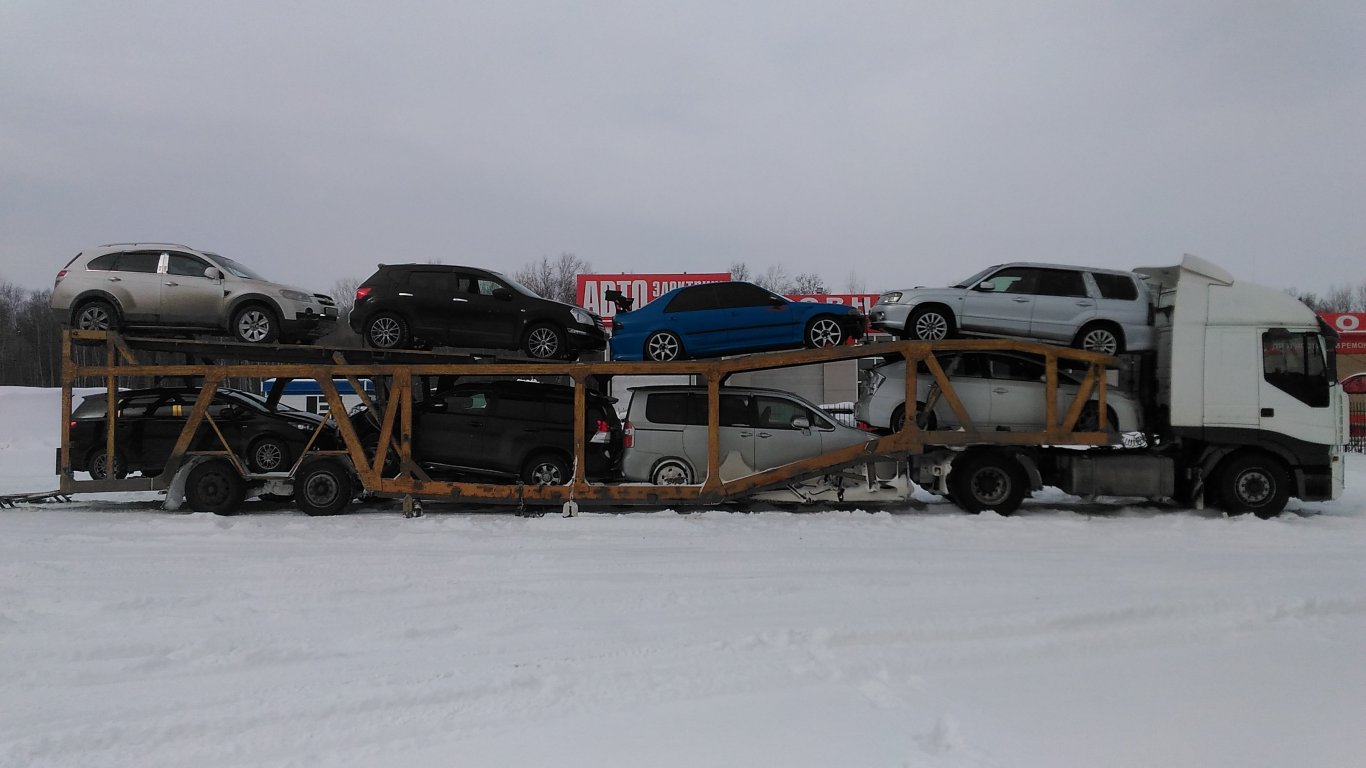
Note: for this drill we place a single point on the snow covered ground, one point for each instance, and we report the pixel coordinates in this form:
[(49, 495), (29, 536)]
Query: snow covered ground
[(1070, 635)]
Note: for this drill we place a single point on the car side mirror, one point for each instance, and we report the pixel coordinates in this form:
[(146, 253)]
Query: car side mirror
[(777, 302), (801, 422), (213, 273), (502, 294), (986, 285)]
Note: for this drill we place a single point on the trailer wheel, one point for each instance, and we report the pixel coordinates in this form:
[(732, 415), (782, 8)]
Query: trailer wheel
[(214, 486), (987, 481), (322, 487), (1256, 483), (545, 469)]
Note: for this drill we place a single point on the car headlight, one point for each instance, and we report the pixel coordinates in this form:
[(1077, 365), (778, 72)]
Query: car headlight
[(581, 316), (296, 295), (891, 297)]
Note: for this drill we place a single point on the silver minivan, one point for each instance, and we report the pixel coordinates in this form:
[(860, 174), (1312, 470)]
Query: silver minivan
[(666, 433), (1101, 310), (165, 286)]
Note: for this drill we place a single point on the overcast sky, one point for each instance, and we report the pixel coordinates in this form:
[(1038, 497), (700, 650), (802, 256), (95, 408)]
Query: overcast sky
[(905, 143)]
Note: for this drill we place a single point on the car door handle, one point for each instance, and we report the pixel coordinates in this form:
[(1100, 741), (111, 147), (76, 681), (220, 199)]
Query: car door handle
[(765, 434), (1085, 304), (457, 298), (478, 424), (1020, 300), (1000, 390), (746, 434), (115, 279), (405, 293), (172, 283)]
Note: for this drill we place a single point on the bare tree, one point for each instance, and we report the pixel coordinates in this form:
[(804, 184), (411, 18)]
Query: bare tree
[(808, 282), (774, 279), (554, 279), (1340, 298), (853, 282), (739, 270)]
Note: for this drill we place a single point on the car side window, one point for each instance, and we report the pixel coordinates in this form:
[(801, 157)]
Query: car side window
[(431, 281), (735, 411), (1120, 287), (778, 413), (470, 403), (186, 265), (1060, 282), (693, 299), (138, 261), (169, 407), (729, 295), (103, 263), (485, 287), (1010, 280), (1016, 369)]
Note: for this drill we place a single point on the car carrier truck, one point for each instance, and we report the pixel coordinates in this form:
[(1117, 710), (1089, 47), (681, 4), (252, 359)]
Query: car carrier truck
[(1241, 402)]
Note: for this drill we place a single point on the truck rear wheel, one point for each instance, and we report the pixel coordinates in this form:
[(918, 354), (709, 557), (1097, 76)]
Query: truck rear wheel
[(984, 481), (1256, 483), (322, 487)]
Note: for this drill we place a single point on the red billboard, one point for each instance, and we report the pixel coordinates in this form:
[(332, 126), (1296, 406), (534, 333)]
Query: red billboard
[(862, 301), (591, 291), (1351, 328)]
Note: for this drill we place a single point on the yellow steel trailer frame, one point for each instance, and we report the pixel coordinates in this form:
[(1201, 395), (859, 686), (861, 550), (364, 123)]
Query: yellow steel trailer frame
[(120, 361)]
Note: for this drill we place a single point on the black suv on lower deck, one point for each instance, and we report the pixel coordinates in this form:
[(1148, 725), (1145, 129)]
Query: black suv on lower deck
[(268, 437), (426, 305), (507, 430)]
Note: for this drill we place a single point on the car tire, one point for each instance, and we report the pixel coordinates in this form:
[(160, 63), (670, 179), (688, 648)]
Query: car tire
[(214, 486), (1101, 338), (663, 347), (544, 341), (323, 487), (1088, 420), (930, 324), (268, 454), (982, 481), (96, 315), (99, 468), (823, 331), (1256, 483), (387, 330), (546, 469), (925, 421), (255, 323), (671, 472)]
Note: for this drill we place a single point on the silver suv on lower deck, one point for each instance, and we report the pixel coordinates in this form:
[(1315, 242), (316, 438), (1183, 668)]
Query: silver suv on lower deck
[(666, 433), (162, 286)]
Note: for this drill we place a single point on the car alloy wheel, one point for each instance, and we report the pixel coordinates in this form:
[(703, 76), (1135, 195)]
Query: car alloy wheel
[(930, 325), (386, 332), (95, 316), (663, 346), (671, 472), (1102, 340), (824, 332), (255, 325), (546, 470), (269, 454), (543, 342), (99, 466)]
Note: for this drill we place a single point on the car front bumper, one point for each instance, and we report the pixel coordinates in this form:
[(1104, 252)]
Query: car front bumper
[(889, 318)]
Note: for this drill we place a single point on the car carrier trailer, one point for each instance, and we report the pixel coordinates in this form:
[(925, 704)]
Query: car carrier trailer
[(1240, 402)]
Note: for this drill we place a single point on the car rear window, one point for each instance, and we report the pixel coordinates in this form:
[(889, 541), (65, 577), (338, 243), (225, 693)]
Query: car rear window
[(103, 263), (1120, 287), (676, 408), (138, 261)]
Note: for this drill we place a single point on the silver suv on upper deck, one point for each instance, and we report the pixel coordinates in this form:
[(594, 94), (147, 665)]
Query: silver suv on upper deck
[(1102, 310), (162, 286)]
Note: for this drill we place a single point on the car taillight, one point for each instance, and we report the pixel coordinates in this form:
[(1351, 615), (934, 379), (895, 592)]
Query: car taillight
[(616, 326), (61, 275), (602, 433), (362, 292), (628, 437)]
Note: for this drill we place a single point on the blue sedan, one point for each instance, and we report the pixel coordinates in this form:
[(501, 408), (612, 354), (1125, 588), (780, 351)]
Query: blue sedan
[(728, 318)]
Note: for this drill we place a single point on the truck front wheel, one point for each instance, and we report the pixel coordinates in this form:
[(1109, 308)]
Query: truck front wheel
[(1255, 483)]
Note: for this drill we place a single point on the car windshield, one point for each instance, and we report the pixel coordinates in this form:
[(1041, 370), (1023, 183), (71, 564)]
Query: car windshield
[(236, 268), (977, 278), (516, 286)]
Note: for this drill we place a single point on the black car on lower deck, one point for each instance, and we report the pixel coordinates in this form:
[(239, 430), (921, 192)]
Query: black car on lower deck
[(507, 430), (405, 306), (267, 438)]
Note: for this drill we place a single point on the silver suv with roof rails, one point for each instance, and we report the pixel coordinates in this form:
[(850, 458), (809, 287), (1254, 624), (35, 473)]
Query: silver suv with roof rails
[(1102, 310), (163, 286)]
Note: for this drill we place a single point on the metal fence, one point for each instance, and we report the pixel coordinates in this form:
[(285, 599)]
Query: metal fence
[(1356, 409)]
